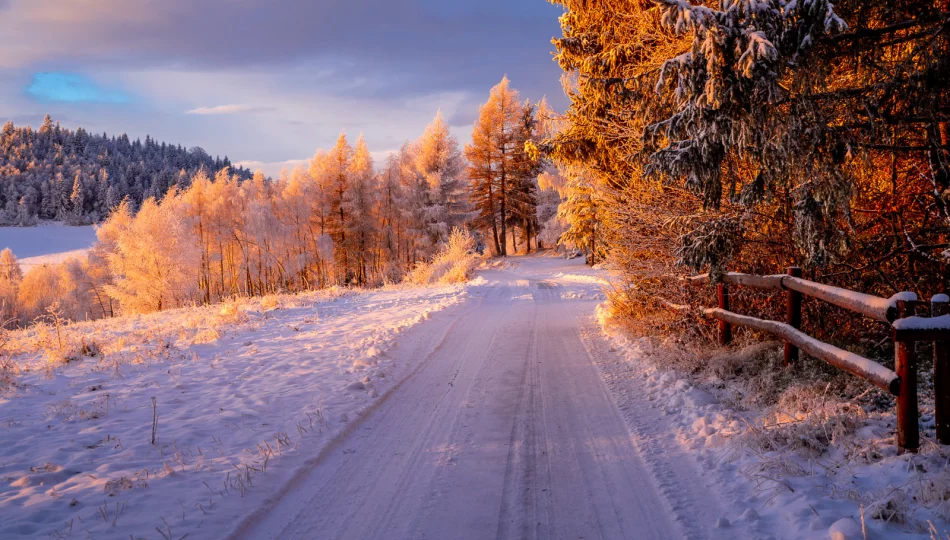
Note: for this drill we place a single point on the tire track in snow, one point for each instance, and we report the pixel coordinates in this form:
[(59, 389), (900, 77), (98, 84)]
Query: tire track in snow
[(506, 430), (672, 470)]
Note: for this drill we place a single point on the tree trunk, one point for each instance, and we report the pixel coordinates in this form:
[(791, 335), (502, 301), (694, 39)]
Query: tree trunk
[(504, 225), (527, 235), (494, 222)]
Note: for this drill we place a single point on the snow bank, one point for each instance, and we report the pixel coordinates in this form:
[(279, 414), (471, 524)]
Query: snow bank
[(784, 475), (54, 258), (590, 278)]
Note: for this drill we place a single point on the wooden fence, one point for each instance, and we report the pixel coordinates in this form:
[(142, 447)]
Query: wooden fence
[(899, 311)]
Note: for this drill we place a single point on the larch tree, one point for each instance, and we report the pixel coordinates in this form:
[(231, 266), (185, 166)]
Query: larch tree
[(439, 162), (155, 256), (492, 157), (338, 164), (359, 203), (391, 221), (334, 221)]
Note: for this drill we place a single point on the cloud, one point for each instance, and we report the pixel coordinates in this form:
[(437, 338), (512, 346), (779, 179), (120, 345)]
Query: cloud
[(374, 48), (228, 109), (373, 66), (71, 88)]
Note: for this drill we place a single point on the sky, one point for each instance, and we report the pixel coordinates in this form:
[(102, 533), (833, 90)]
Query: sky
[(268, 82)]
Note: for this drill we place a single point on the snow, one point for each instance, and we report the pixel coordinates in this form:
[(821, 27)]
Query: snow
[(906, 296), (47, 243), (780, 493), (46, 239), (244, 395), (938, 298), (497, 408), (923, 323), (866, 304), (845, 529), (53, 258), (505, 431)]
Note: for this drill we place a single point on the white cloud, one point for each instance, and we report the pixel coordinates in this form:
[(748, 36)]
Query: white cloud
[(309, 116), (227, 109)]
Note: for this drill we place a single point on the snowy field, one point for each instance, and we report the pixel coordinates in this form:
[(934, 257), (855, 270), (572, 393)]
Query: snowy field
[(47, 243), (243, 393)]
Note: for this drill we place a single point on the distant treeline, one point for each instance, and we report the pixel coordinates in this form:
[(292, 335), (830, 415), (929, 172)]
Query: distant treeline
[(58, 174)]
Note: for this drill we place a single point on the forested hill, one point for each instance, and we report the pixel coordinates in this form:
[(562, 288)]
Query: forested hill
[(77, 177)]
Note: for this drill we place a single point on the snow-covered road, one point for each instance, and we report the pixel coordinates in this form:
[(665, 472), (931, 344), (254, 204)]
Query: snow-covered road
[(505, 430)]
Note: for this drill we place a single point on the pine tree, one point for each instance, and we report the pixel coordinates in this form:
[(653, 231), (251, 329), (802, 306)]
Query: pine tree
[(77, 202), (46, 129), (11, 196), (582, 214), (756, 135), (102, 193), (23, 216)]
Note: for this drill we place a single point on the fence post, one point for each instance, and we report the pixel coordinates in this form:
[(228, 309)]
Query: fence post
[(940, 305), (793, 315), (905, 364), (725, 329)]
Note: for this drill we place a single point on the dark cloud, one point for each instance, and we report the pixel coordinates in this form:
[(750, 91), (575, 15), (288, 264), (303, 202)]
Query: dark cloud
[(273, 80), (403, 47)]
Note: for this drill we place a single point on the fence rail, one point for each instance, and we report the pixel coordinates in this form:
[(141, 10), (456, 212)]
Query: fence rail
[(899, 311)]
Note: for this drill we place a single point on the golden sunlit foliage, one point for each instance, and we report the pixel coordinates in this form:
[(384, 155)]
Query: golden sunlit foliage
[(755, 135)]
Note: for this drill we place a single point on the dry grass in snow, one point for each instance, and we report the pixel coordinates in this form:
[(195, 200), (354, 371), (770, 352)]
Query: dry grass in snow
[(455, 264), (814, 445)]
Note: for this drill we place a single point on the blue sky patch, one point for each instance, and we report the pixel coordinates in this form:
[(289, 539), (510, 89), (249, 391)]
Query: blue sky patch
[(71, 88)]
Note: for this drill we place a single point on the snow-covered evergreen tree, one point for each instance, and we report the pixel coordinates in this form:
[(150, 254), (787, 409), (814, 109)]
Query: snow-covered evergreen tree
[(76, 202), (47, 161)]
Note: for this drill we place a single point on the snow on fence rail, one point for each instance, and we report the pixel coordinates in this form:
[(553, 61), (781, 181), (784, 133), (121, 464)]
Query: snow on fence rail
[(875, 373), (875, 307), (899, 310)]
